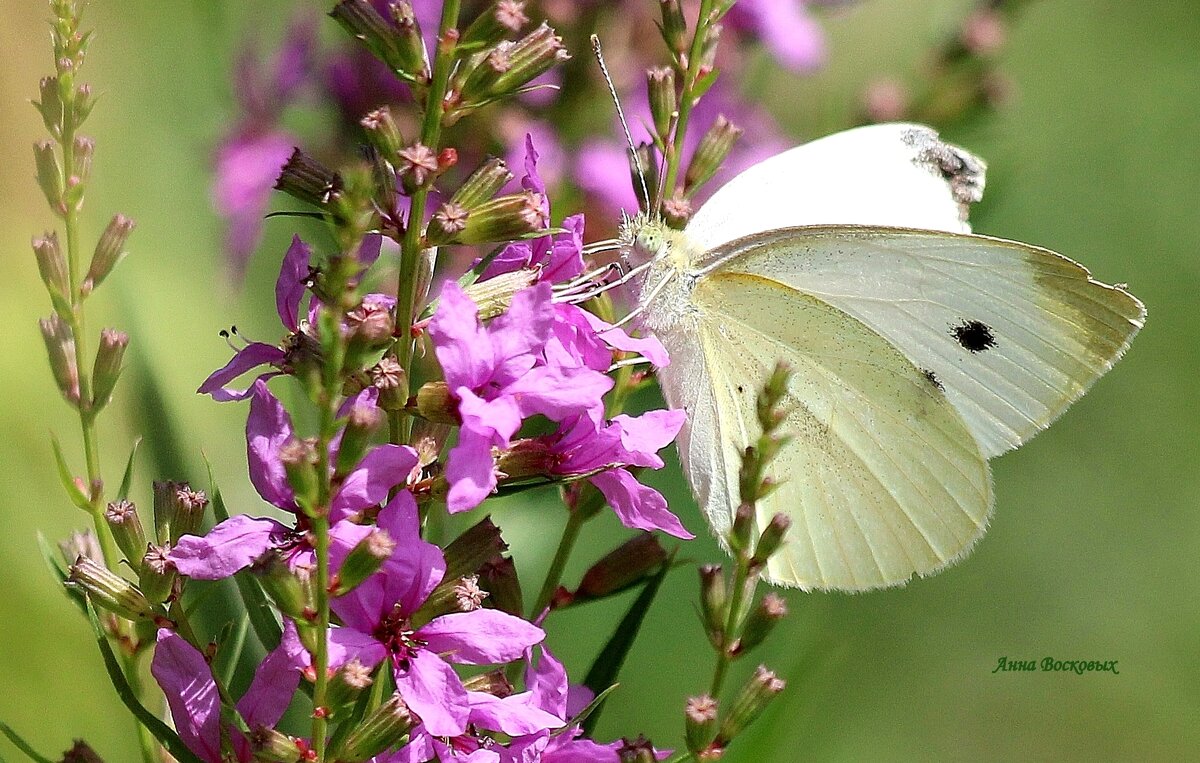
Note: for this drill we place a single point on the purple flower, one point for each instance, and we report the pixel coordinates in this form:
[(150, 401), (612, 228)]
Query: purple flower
[(186, 680), (300, 345), (249, 160), (785, 27), (499, 377), (626, 441), (378, 625), (238, 541)]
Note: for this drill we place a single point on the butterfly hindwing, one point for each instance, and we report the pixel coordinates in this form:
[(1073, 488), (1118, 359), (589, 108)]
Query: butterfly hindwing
[(882, 479)]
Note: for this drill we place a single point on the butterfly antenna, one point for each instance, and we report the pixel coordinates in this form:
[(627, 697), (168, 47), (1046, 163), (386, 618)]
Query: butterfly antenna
[(612, 91)]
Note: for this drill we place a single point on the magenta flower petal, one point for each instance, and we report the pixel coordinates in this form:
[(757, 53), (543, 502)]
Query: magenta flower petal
[(636, 505), (521, 331), (191, 693), (565, 259), (460, 343), (433, 691), (563, 749), (423, 563), (368, 250), (547, 681), (514, 715), (346, 644), (648, 347), (561, 393), (532, 181), (792, 36), (643, 436), (268, 427), (481, 637), (251, 356), (290, 286), (384, 467), (271, 691), (247, 166), (231, 546)]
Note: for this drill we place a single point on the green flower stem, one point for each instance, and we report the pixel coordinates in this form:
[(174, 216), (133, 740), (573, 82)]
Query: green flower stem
[(675, 148), (400, 426), (566, 545)]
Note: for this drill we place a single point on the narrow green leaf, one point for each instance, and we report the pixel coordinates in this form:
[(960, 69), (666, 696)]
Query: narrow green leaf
[(297, 213), (266, 628), (123, 492), (232, 654), (604, 670), (161, 731), (21, 744), (77, 496)]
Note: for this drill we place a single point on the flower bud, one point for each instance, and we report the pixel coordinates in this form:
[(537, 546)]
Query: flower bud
[(80, 752), (494, 295), (660, 82), (762, 621), (508, 66), (499, 577), (411, 56), (82, 106), (448, 221), (493, 682), (178, 511), (81, 543), (60, 348), (484, 183), (632, 561), (525, 459), (708, 54), (291, 591), (984, 32), (52, 266), (436, 403), (359, 18), (504, 218), (363, 561), (110, 250), (416, 165), (767, 401), (674, 27), (50, 106), (714, 601), (362, 422), (505, 17), (743, 526), (370, 326), (348, 683), (126, 526), (473, 548), (156, 574), (638, 750), (389, 378), (271, 746), (377, 732), (700, 722), (85, 150), (108, 590), (771, 539), (49, 174), (711, 152), (383, 132), (299, 459), (758, 692), (308, 180), (107, 368)]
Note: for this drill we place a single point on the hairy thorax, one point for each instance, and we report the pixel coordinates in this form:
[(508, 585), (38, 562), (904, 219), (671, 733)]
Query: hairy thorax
[(664, 288)]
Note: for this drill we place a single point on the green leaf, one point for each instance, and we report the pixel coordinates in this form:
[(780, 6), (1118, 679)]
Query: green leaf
[(266, 628), (161, 731), (604, 670), (704, 83), (233, 652), (21, 744), (123, 492), (68, 480), (298, 213), (586, 712)]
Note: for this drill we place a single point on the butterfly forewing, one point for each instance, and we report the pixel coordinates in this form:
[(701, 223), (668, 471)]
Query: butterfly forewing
[(882, 479), (1011, 332)]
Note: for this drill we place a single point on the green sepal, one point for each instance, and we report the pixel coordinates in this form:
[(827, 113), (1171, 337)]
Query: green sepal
[(161, 731), (76, 495), (703, 84), (58, 569), (127, 479), (604, 670), (21, 744), (268, 631)]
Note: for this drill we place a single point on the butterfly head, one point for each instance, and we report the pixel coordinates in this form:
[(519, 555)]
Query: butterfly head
[(645, 238)]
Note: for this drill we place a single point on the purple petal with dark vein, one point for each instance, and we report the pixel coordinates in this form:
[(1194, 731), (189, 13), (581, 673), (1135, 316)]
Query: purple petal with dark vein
[(251, 356), (481, 637), (191, 693)]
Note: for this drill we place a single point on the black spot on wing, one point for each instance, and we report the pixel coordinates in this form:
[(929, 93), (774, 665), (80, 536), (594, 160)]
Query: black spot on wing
[(974, 336)]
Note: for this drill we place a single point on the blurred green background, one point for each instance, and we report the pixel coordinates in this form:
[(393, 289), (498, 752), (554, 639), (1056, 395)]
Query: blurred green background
[(1092, 553)]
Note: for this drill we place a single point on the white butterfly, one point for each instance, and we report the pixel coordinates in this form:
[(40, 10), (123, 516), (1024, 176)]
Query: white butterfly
[(919, 350)]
